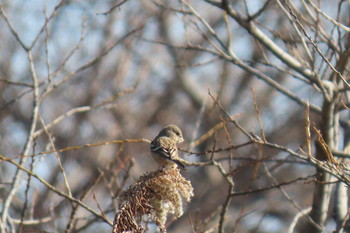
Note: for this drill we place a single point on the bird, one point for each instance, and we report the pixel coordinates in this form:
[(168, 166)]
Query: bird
[(164, 147)]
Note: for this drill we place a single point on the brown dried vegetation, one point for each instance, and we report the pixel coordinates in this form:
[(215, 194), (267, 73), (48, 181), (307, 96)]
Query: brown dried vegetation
[(155, 195)]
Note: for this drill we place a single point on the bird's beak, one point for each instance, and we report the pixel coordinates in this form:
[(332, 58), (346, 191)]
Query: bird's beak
[(181, 140)]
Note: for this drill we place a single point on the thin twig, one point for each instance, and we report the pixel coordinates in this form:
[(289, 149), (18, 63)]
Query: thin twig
[(66, 183), (277, 185), (258, 115), (88, 64), (307, 129), (60, 193), (229, 180), (25, 205), (316, 47), (37, 221), (45, 25), (84, 146), (225, 207), (17, 178), (294, 204), (13, 31), (316, 8), (210, 132), (113, 8)]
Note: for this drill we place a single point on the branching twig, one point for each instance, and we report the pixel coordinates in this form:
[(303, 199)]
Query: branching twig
[(55, 190), (17, 178), (84, 146)]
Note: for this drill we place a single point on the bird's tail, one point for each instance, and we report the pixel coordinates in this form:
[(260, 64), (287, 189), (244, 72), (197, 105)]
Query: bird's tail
[(181, 165)]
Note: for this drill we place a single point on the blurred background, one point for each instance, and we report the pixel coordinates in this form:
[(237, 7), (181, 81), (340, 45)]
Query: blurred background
[(91, 72)]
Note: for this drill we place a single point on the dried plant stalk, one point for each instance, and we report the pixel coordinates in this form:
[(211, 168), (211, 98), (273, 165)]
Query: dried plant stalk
[(154, 195)]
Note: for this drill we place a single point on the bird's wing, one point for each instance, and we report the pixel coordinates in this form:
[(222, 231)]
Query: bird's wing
[(165, 146)]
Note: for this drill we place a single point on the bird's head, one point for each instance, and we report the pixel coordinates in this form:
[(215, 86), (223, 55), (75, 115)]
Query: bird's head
[(173, 132)]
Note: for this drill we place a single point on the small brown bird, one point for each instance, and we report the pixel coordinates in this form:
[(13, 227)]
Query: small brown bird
[(164, 147)]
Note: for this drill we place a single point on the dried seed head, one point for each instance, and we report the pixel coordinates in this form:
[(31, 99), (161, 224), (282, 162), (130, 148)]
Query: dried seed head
[(155, 195)]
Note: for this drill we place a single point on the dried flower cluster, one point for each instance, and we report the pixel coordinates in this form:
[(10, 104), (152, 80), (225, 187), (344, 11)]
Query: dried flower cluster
[(154, 195)]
